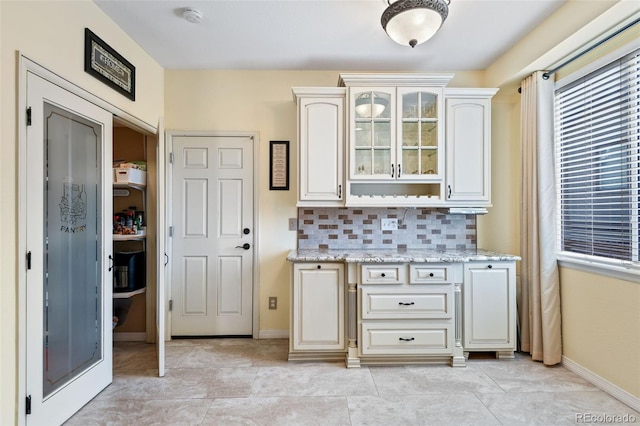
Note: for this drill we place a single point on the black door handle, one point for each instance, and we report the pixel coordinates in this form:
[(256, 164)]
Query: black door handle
[(245, 246)]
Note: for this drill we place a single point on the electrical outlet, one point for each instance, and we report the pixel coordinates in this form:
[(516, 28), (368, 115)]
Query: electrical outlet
[(293, 224), (389, 224), (273, 303)]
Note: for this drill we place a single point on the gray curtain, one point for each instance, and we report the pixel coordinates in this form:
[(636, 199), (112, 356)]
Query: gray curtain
[(539, 310)]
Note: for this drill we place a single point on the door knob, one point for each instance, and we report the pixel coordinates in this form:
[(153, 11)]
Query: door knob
[(245, 246)]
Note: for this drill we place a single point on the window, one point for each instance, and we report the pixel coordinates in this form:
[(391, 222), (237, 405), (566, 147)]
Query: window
[(598, 164)]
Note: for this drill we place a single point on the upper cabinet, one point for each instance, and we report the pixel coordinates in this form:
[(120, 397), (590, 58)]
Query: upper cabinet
[(410, 141), (396, 139), (320, 146), (468, 146)]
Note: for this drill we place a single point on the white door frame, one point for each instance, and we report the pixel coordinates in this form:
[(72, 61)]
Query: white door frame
[(170, 135), (28, 65)]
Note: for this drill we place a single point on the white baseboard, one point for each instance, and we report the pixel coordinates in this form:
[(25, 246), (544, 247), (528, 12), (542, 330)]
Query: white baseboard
[(132, 336), (273, 334), (603, 384)]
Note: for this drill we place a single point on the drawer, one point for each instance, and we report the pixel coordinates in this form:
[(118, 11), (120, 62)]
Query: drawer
[(401, 303), (384, 274), (405, 338), (430, 274)]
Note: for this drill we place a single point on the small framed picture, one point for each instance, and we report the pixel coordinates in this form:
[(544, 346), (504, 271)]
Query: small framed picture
[(108, 66), (279, 165)]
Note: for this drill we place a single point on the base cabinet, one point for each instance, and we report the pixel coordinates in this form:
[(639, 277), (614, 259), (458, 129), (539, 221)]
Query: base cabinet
[(489, 297), (405, 310), (318, 309)]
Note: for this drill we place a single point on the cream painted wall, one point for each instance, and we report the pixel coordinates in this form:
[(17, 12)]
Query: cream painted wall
[(601, 326), (52, 34)]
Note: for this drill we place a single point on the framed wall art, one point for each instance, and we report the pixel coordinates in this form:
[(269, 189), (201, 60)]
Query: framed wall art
[(108, 66), (279, 165)]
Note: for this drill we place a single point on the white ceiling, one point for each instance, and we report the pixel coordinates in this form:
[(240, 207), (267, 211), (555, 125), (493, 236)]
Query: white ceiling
[(343, 35)]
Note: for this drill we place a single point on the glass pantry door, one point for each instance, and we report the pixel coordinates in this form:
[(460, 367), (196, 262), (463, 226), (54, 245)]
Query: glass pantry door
[(69, 286)]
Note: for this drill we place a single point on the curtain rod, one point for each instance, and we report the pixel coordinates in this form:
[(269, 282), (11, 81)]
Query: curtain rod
[(548, 74)]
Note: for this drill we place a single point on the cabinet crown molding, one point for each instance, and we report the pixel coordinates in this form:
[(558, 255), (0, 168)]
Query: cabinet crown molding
[(470, 92), (430, 79), (311, 92)]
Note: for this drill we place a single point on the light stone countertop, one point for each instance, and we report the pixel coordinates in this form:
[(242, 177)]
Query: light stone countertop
[(397, 256)]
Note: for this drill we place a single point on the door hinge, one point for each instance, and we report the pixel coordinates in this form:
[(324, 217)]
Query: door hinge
[(28, 260), (171, 158), (170, 305), (27, 405), (171, 231), (29, 116)]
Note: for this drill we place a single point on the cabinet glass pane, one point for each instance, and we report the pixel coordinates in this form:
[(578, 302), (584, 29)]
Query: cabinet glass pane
[(410, 161), (410, 135), (372, 105), (363, 162), (429, 162), (410, 105), (382, 134), (428, 105), (382, 162), (429, 134), (363, 134)]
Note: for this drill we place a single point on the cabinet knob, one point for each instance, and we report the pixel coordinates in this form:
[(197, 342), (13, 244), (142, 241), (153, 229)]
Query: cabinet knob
[(319, 266), (383, 275), (431, 274), (489, 266)]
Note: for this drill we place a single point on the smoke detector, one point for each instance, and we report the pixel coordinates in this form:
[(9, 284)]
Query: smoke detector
[(192, 15)]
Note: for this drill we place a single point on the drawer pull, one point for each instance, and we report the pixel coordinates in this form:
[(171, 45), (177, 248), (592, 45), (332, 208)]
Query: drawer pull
[(406, 304), (431, 274), (490, 266), (407, 339), (383, 275)]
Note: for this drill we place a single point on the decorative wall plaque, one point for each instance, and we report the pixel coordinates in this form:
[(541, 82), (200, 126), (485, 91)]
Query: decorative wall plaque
[(279, 165), (108, 66)]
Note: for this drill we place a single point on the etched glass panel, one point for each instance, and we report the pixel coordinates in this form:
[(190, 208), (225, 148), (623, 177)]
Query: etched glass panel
[(72, 241)]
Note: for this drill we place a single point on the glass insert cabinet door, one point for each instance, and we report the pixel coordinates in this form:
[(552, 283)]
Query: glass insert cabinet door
[(419, 135), (372, 129)]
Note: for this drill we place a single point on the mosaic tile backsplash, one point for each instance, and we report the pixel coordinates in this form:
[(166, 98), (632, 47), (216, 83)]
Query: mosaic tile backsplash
[(349, 228)]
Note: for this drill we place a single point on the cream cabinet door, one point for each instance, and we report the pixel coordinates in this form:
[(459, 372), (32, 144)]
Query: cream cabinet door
[(321, 149), (317, 321), (489, 294), (468, 145)]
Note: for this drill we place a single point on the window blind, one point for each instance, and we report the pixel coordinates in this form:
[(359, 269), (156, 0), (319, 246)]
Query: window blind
[(597, 162)]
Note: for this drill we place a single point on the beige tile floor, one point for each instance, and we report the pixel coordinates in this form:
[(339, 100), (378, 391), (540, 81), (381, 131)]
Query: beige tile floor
[(250, 382)]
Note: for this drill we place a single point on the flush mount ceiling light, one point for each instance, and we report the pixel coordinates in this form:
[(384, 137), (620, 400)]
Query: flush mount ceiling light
[(411, 22), (192, 15)]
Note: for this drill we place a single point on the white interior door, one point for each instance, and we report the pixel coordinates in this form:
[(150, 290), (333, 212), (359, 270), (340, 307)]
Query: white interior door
[(213, 236), (69, 244)]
